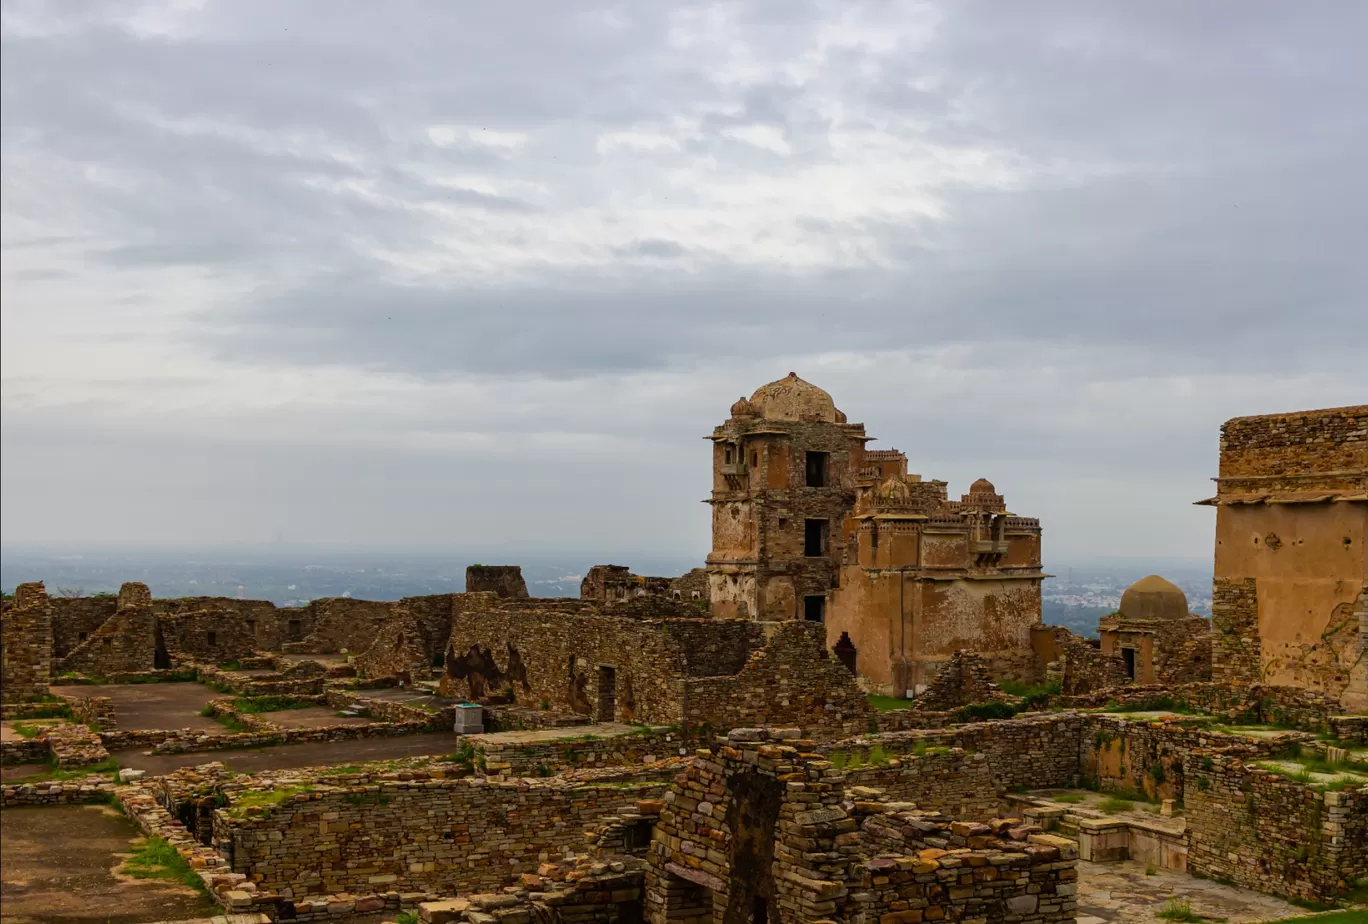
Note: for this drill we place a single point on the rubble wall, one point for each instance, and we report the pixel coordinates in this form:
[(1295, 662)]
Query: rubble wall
[(441, 835)]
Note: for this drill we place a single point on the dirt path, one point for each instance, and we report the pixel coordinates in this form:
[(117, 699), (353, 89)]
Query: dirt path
[(56, 868)]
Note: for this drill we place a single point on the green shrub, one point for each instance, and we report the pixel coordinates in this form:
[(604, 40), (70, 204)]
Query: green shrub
[(154, 858), (1179, 909), (995, 709)]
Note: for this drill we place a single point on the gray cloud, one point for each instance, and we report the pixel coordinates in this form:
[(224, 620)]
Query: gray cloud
[(988, 224)]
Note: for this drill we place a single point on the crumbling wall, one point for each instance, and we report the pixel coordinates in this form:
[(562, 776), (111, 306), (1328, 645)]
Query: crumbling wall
[(964, 679), (1235, 629), (1272, 834), (399, 650), (341, 624), (209, 636), (563, 660), (75, 619), (945, 780), (26, 645), (505, 581), (125, 642), (792, 680), (261, 621), (715, 646), (438, 835)]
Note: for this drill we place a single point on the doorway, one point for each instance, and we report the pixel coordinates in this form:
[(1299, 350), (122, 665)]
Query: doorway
[(1128, 656), (814, 608), (845, 651), (607, 693)]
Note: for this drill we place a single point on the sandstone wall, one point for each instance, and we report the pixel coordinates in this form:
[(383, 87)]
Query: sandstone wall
[(124, 642), (443, 835), (74, 619), (505, 581), (958, 784), (26, 645), (1272, 834), (1282, 446), (793, 680)]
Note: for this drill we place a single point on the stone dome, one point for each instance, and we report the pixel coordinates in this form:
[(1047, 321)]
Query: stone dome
[(893, 491), (982, 486), (791, 398), (743, 408), (1153, 598)]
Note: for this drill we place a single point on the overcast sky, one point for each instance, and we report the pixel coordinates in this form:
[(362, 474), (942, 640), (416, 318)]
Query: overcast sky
[(446, 274)]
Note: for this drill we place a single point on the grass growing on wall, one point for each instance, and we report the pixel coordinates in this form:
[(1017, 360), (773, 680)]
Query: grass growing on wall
[(265, 798), (55, 774), (888, 703), (253, 705)]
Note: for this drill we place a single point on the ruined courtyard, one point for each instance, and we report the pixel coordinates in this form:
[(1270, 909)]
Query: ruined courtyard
[(851, 712)]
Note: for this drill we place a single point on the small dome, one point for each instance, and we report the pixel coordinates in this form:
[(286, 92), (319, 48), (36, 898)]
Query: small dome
[(894, 491), (1153, 598), (791, 398), (743, 408), (982, 486)]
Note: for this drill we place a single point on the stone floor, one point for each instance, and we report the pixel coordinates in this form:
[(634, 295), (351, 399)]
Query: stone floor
[(1121, 893), (145, 706), (286, 756)]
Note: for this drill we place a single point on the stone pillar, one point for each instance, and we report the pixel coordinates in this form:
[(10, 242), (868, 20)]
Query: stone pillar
[(26, 645)]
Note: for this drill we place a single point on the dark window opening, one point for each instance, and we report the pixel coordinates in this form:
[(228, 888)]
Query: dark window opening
[(845, 651), (727, 455), (814, 608), (211, 638), (1128, 656), (637, 835), (293, 630), (251, 627), (107, 641), (817, 470), (760, 912), (755, 460), (82, 636), (814, 538)]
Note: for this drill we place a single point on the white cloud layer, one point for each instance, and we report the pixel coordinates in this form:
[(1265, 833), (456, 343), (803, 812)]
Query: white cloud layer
[(437, 274)]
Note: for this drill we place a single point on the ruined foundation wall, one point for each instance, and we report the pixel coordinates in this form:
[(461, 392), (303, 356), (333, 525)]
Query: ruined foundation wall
[(793, 681), (440, 835), (1265, 832), (558, 659)]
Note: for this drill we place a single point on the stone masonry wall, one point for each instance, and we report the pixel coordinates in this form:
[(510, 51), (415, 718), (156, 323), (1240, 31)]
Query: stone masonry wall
[(793, 680), (960, 785), (444, 835), (964, 679), (520, 759), (124, 642), (559, 659), (505, 581), (1265, 832), (74, 619), (1235, 645), (26, 645), (1282, 445)]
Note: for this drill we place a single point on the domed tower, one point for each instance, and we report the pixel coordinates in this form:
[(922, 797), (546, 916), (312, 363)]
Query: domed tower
[(1149, 632), (784, 469)]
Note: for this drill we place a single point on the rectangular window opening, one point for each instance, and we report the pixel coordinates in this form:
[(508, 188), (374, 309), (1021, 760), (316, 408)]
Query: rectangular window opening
[(211, 638), (816, 469), (815, 538), (814, 608)]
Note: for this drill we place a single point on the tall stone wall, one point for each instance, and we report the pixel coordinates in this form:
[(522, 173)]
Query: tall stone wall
[(26, 645), (964, 679), (438, 835), (564, 660), (792, 680), (342, 624), (1235, 631), (956, 783), (399, 650)]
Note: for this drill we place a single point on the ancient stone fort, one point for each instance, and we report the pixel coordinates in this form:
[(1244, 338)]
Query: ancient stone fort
[(851, 713)]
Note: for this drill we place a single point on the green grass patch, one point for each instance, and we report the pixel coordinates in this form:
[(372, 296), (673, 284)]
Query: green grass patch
[(1032, 695), (154, 858), (24, 730), (230, 722), (1180, 909), (265, 798), (1068, 798), (48, 710), (979, 712), (1112, 805), (888, 703), (55, 774), (254, 705)]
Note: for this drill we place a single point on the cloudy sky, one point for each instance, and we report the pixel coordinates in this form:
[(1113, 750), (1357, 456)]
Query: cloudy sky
[(446, 274)]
